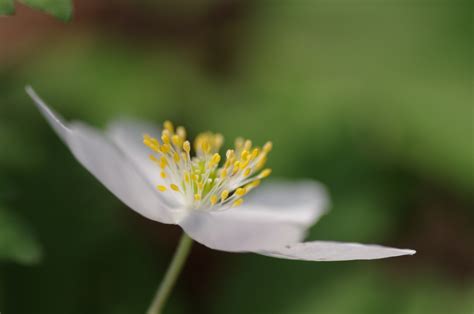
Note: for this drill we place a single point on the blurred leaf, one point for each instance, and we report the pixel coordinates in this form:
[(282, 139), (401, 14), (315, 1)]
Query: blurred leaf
[(61, 9), (7, 7), (16, 241)]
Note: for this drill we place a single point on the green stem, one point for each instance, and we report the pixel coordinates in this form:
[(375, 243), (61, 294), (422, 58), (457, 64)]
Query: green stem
[(174, 269)]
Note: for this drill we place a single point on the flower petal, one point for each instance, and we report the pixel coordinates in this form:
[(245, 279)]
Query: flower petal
[(128, 136), (228, 231), (302, 202), (107, 163), (277, 215), (334, 251)]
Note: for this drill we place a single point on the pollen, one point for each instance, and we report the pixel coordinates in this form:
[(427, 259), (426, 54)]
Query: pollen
[(161, 188), (201, 178), (265, 173), (187, 147), (240, 191), (238, 202), (224, 195)]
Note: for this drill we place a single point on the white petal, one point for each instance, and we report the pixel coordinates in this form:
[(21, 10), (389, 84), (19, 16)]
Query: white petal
[(334, 251), (302, 202), (238, 233), (128, 134), (107, 163), (277, 215)]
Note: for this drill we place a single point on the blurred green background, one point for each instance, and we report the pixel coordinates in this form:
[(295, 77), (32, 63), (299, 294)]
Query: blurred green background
[(372, 98)]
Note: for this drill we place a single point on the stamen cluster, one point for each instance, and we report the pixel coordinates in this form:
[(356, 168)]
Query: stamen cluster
[(199, 182)]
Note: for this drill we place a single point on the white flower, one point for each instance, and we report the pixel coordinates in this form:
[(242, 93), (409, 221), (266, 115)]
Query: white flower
[(205, 200)]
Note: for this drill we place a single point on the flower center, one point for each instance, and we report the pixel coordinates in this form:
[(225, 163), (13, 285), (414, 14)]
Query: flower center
[(199, 181)]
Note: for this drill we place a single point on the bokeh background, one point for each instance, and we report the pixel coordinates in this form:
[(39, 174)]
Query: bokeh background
[(373, 98)]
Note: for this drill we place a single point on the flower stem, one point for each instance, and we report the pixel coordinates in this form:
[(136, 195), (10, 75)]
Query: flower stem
[(174, 269)]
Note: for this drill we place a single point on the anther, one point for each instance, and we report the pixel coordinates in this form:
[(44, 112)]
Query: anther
[(177, 140), (265, 173), (181, 131), (176, 157), (240, 191), (165, 148), (168, 125), (165, 136), (238, 202), (267, 147), (224, 195), (187, 146), (215, 159), (248, 144)]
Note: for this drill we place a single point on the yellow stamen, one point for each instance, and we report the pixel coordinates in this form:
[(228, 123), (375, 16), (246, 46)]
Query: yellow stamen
[(248, 144), (177, 140), (235, 170), (244, 164), (267, 147), (202, 175), (239, 142), (218, 140), (261, 163), (168, 125), (215, 159), (176, 157), (165, 148), (152, 143), (238, 202), (230, 154), (265, 173), (247, 172), (240, 191), (181, 132), (165, 136), (254, 154), (253, 184), (187, 146), (223, 173), (163, 162), (206, 147), (224, 195)]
